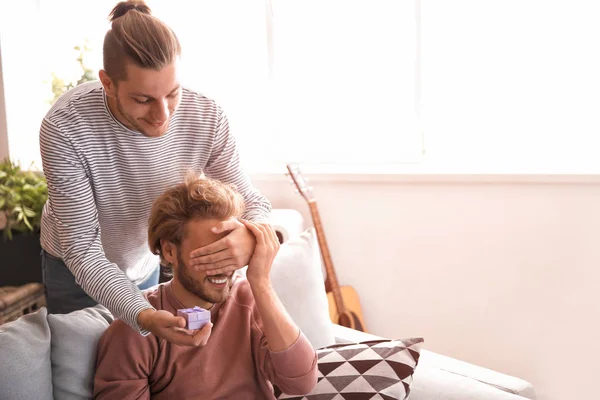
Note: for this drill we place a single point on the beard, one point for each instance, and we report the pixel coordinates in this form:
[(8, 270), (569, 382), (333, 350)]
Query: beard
[(202, 288)]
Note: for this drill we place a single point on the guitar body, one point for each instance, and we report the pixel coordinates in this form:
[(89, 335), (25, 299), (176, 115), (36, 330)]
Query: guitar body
[(353, 317)]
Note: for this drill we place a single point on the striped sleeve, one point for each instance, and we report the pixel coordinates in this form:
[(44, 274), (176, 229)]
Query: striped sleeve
[(78, 229), (224, 165)]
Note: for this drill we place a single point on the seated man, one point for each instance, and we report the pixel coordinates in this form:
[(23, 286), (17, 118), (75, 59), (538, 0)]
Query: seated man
[(251, 342)]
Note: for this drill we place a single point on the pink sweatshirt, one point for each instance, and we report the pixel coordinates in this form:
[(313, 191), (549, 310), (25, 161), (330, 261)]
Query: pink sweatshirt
[(235, 363)]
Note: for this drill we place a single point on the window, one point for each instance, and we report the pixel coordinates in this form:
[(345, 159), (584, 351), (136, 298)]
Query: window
[(495, 86), (324, 83), (345, 82), (511, 86), (31, 63)]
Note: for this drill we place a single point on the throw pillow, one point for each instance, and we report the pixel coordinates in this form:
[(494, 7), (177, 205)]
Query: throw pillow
[(25, 369), (298, 281), (379, 369), (75, 337)]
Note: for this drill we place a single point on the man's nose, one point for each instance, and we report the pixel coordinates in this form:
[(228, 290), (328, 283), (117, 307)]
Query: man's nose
[(160, 113)]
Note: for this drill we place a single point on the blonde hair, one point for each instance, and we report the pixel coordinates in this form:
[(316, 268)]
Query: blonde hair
[(136, 36), (196, 198)]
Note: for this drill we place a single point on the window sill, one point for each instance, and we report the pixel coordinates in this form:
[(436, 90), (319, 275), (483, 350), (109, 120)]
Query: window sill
[(419, 174)]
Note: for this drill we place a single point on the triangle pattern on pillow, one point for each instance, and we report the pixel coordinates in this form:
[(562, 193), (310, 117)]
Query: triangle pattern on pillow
[(341, 382), (363, 366), (327, 368), (365, 354), (351, 353), (370, 370), (332, 357)]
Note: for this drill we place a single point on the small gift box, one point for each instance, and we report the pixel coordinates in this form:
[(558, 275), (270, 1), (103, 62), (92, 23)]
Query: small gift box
[(195, 317)]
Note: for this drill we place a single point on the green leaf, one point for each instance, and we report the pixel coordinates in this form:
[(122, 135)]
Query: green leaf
[(27, 223), (29, 199), (23, 194)]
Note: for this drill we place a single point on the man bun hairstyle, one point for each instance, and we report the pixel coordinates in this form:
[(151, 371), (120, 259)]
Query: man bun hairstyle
[(138, 37)]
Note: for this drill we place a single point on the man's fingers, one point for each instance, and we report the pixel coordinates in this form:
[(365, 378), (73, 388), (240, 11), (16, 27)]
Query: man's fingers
[(219, 245), (255, 229), (172, 328), (179, 322), (273, 235), (223, 263), (212, 258), (228, 225), (224, 270), (184, 337), (201, 337), (164, 319), (270, 238), (265, 229), (269, 234)]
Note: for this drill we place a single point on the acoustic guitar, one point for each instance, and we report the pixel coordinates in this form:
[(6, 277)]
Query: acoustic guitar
[(344, 304)]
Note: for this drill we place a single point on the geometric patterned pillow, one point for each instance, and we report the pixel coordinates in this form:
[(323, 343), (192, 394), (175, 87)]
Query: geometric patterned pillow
[(378, 369)]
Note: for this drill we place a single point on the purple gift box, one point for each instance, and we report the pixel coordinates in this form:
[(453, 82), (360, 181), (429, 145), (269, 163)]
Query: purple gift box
[(195, 317)]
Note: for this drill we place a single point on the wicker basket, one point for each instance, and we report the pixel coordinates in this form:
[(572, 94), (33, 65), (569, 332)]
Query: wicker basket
[(16, 301)]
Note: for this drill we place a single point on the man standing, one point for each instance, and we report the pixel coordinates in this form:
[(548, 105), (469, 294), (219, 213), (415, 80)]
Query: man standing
[(109, 148)]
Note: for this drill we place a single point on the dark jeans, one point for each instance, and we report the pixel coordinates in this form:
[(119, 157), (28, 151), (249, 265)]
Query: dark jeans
[(63, 294)]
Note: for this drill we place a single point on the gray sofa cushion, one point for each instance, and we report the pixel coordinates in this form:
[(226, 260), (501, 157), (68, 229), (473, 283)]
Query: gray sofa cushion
[(504, 382), (25, 369), (74, 340)]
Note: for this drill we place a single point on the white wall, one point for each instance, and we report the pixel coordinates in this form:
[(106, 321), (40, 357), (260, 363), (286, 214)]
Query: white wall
[(500, 273), (3, 130)]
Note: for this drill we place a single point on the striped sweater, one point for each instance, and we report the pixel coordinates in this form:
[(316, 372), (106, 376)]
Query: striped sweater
[(103, 177)]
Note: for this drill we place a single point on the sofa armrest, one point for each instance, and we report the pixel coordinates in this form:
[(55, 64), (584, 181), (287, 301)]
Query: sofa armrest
[(504, 382), (431, 363)]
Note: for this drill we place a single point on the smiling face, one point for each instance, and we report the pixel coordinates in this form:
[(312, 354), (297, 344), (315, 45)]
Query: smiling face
[(146, 100), (180, 222), (213, 289)]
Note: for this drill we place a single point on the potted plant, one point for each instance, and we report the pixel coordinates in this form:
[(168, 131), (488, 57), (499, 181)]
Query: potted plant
[(23, 194)]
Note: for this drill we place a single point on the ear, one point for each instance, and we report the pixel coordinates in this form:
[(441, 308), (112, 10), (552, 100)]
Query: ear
[(109, 86), (169, 251)]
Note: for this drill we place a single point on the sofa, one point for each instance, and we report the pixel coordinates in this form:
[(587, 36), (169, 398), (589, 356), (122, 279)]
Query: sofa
[(52, 356)]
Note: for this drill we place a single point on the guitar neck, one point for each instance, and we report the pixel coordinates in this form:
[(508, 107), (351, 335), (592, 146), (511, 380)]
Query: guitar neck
[(331, 276)]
